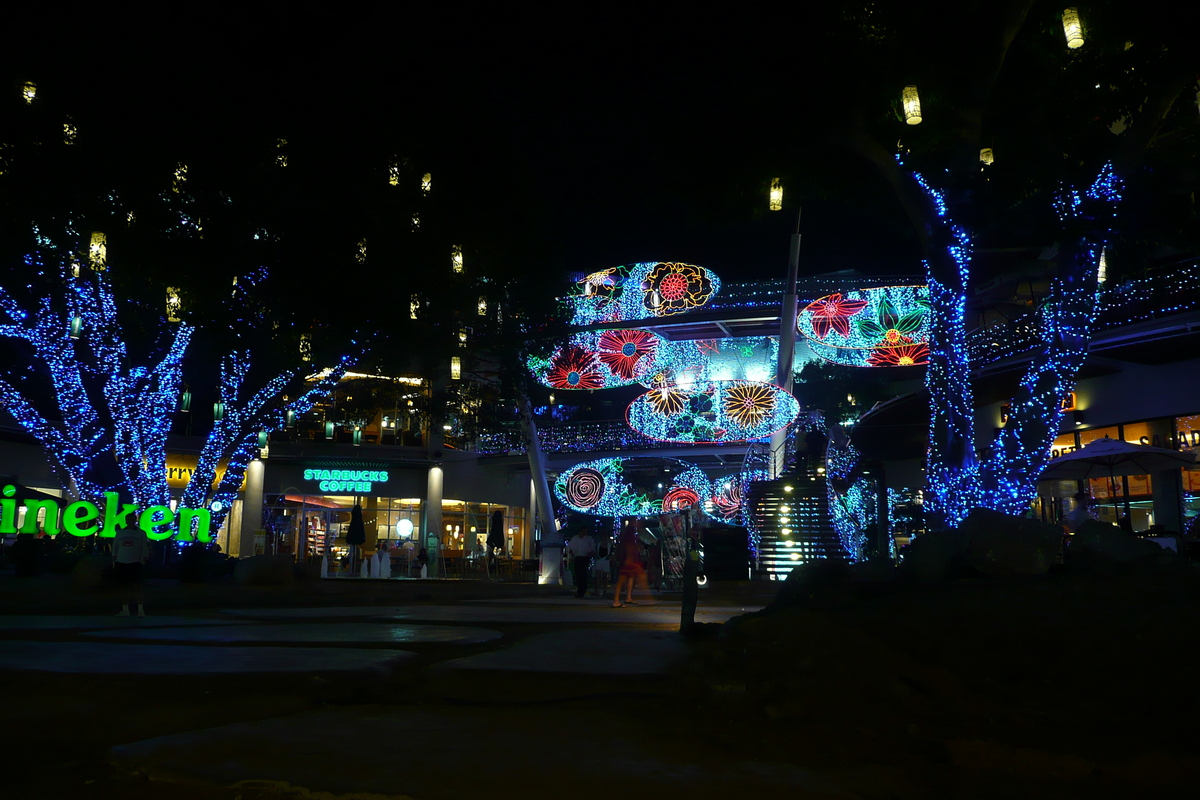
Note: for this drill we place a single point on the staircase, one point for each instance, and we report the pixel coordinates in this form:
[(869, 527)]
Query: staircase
[(791, 517)]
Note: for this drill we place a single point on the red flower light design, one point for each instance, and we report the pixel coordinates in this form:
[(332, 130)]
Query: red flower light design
[(574, 368), (622, 351), (905, 354), (833, 313), (678, 498)]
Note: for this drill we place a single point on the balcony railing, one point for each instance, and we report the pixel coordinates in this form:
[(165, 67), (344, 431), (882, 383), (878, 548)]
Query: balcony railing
[(1153, 297)]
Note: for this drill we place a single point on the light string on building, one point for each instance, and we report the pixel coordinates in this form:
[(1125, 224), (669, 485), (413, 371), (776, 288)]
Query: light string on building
[(852, 497)]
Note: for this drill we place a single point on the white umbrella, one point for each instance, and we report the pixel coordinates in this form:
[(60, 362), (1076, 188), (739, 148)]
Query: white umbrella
[(1107, 458), (1102, 458)]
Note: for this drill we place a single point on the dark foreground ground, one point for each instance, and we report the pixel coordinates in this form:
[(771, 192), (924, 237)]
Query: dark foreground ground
[(1067, 686)]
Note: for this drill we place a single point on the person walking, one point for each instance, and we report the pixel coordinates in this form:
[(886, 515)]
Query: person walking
[(582, 547), (631, 566), (130, 550)]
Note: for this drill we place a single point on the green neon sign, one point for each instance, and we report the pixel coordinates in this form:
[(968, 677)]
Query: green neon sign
[(346, 480), (159, 522)]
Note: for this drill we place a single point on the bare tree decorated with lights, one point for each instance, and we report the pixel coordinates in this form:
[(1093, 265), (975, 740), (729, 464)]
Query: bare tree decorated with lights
[(1102, 111), (103, 414)]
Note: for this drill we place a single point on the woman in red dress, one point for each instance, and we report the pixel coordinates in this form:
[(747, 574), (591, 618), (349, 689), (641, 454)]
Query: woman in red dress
[(633, 568)]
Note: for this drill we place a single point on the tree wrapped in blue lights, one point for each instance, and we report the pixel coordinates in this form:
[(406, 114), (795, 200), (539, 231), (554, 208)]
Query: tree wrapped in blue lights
[(1005, 477), (103, 416)]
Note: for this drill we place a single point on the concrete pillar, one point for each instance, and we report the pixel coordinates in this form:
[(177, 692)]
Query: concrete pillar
[(1167, 491), (371, 523), (550, 561), (433, 517), (252, 507)]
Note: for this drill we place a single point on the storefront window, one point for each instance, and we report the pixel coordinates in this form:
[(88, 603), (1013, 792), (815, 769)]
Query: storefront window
[(1098, 433)]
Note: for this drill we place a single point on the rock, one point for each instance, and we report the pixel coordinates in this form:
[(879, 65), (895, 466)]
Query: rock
[(306, 571), (933, 556), (873, 570), (1004, 546), (89, 572), (263, 571), (814, 583), (1097, 543)]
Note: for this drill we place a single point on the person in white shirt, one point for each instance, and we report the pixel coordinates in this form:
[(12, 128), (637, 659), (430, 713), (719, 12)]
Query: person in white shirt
[(130, 549), (582, 547)]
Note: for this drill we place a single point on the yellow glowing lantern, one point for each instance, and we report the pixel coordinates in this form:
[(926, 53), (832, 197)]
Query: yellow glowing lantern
[(129, 218), (98, 251), (414, 305), (416, 221), (426, 183), (912, 105), (393, 172), (456, 257), (462, 337), (174, 304), (455, 368), (482, 306), (180, 177), (1072, 28), (1102, 272), (306, 347), (776, 198), (281, 160), (986, 156), (361, 254), (69, 132), (29, 91)]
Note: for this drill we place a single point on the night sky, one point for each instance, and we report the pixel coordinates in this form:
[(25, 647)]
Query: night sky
[(580, 143)]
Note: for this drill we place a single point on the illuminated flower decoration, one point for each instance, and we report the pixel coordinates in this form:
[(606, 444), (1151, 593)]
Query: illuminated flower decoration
[(891, 326), (624, 352), (701, 403), (678, 498), (674, 288), (574, 368), (905, 354), (603, 283), (833, 313), (728, 501), (585, 487), (748, 404), (667, 400)]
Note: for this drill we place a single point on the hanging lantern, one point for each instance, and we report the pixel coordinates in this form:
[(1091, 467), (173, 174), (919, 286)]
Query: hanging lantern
[(98, 251), (426, 183), (456, 257), (776, 196), (306, 347), (185, 401), (357, 435), (328, 429), (1102, 272), (280, 158), (69, 132), (416, 221), (218, 411), (174, 304), (29, 91), (414, 305), (455, 368), (462, 337), (482, 306), (361, 254), (986, 156), (289, 418), (262, 438), (393, 172), (76, 327), (1072, 28), (179, 178), (912, 105)]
